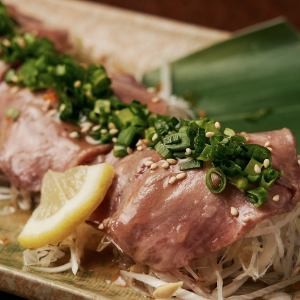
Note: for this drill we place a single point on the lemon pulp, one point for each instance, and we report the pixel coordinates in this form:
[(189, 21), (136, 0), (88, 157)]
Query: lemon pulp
[(67, 199)]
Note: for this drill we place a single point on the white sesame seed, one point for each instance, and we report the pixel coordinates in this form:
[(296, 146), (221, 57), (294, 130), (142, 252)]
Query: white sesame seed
[(165, 165), (299, 162), (155, 99), (270, 149), (139, 148), (62, 107), (96, 127), (266, 163), (139, 143), (276, 198), (209, 134), (267, 144), (181, 176), (101, 226), (6, 43), (85, 126), (188, 151), (172, 180), (14, 78), (103, 131), (154, 137), (77, 83), (153, 166), (234, 211), (172, 161), (21, 42), (114, 139), (257, 169), (148, 163), (111, 125), (113, 131), (91, 141), (129, 150), (73, 134), (151, 89), (218, 125)]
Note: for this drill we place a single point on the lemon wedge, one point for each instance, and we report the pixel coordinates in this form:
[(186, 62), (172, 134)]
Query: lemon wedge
[(67, 199)]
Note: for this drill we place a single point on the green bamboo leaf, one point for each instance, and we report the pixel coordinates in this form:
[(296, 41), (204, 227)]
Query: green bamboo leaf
[(250, 82)]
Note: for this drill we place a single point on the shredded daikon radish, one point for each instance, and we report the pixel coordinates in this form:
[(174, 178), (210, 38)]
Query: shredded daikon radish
[(268, 290), (219, 290), (43, 256), (177, 106), (58, 269), (154, 282), (105, 242)]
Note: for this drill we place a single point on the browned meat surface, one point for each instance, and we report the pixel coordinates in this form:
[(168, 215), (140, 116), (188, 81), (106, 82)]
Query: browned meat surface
[(37, 142), (30, 24), (167, 225)]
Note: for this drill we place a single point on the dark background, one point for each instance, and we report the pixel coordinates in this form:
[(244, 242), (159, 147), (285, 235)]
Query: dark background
[(221, 14)]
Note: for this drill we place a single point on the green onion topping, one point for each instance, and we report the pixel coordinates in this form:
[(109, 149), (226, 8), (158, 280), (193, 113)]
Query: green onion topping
[(215, 180), (85, 96)]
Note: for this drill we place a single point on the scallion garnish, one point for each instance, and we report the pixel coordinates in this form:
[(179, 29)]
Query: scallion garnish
[(84, 95), (191, 164), (215, 180), (257, 196)]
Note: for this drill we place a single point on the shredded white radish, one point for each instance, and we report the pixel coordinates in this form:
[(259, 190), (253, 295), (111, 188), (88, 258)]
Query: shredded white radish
[(43, 256), (58, 269), (268, 290), (219, 286), (154, 282), (177, 106)]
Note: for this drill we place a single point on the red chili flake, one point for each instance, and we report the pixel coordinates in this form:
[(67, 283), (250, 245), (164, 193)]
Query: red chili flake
[(51, 96)]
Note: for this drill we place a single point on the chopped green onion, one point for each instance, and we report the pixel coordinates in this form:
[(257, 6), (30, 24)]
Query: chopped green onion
[(240, 182), (258, 152), (229, 132), (251, 167), (206, 154), (269, 176), (161, 126), (210, 127), (102, 106), (125, 115), (184, 142), (86, 93), (179, 154), (173, 138), (149, 132), (217, 184), (257, 196), (128, 136), (191, 164), (230, 168), (163, 150), (120, 151)]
